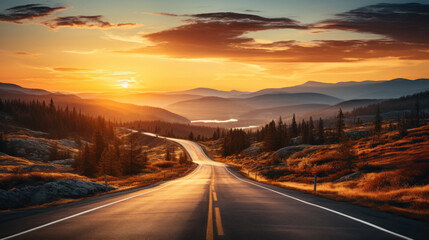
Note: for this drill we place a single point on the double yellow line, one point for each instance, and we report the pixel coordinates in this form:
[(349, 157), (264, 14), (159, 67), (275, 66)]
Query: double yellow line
[(213, 196)]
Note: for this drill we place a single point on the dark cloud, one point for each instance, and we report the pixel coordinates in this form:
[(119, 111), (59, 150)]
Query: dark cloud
[(224, 30), (221, 35), (402, 22), (83, 22), (26, 12), (32, 11), (248, 22), (252, 11)]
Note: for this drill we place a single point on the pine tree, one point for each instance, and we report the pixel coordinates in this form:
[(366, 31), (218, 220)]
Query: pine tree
[(191, 136), (183, 158), (321, 132), (293, 127), (340, 126), (310, 130), (377, 122)]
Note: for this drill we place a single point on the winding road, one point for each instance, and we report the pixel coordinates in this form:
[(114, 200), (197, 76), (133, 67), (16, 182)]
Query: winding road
[(212, 202)]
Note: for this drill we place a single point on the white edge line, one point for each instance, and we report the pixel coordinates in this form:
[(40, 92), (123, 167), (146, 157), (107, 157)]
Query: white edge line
[(324, 208), (99, 207)]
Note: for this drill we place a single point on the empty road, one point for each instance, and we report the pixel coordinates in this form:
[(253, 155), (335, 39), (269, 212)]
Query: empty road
[(212, 202)]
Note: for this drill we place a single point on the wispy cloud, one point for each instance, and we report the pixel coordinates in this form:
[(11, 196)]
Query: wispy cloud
[(71, 69), (31, 13), (27, 12), (84, 52), (84, 22)]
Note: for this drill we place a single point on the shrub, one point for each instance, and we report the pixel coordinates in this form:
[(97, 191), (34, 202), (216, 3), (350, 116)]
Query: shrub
[(164, 164)]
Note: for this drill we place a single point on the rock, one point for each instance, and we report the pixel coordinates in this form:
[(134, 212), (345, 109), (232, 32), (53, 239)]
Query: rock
[(69, 143), (252, 150), (48, 192), (348, 177), (287, 151), (39, 168), (68, 161)]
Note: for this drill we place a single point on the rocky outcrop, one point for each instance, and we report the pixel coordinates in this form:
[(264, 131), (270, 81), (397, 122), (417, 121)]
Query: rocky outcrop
[(348, 177), (48, 192), (287, 151)]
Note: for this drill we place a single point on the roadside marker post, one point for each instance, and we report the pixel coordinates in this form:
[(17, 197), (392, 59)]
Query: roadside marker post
[(105, 181), (315, 182)]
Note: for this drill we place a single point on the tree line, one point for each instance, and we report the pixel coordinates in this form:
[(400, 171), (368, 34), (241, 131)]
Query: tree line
[(56, 121)]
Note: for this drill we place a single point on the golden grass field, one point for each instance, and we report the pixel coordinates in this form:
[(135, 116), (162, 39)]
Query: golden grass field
[(392, 172)]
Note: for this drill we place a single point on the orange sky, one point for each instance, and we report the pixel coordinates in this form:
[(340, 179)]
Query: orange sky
[(88, 47)]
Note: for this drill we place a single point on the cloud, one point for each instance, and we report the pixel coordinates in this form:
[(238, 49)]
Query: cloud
[(221, 35), (28, 54), (162, 14), (27, 12), (402, 22), (84, 22), (32, 12), (84, 52), (69, 69)]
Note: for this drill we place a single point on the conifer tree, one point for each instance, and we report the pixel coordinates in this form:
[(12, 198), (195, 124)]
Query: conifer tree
[(340, 126)]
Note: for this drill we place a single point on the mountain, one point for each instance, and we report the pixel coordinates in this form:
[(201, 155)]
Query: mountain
[(393, 107), (211, 92), (210, 108), (144, 99), (287, 99), (355, 90), (109, 109), (267, 114), (14, 87), (332, 111)]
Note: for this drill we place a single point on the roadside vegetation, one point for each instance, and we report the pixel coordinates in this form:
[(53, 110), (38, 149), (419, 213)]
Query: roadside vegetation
[(382, 164), (37, 154)]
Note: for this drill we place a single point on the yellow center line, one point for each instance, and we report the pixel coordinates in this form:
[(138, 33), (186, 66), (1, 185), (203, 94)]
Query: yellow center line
[(209, 234), (215, 196), (218, 222)]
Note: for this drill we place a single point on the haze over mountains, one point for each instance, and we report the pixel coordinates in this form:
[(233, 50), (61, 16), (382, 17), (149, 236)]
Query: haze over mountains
[(108, 108), (309, 99)]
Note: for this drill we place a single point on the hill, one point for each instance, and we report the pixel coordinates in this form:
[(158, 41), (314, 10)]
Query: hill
[(288, 99), (267, 114), (356, 90), (143, 99), (211, 92), (210, 108), (107, 108)]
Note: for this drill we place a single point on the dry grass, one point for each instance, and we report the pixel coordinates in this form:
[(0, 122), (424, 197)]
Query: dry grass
[(394, 172)]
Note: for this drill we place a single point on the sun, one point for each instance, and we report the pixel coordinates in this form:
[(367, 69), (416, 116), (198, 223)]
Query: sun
[(124, 84)]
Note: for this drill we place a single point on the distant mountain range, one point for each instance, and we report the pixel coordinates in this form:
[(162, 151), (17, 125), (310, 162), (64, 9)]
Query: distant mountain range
[(110, 109), (356, 90), (312, 98), (209, 92)]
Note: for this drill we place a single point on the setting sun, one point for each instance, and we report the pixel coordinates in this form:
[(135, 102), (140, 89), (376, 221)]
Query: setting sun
[(201, 119)]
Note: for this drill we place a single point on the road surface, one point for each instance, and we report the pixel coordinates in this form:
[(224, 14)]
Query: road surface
[(212, 202)]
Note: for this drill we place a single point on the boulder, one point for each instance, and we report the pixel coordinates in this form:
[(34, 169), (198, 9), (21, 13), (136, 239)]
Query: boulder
[(287, 151), (48, 192), (39, 168)]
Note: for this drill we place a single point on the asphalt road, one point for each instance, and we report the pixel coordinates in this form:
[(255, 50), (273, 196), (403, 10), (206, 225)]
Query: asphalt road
[(212, 202)]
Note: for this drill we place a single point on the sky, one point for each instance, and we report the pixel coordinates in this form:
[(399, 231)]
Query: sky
[(158, 45)]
